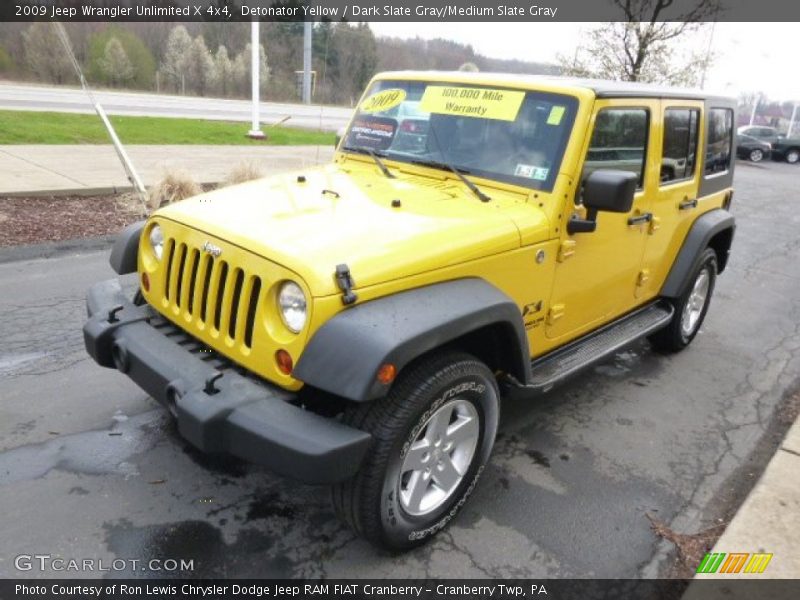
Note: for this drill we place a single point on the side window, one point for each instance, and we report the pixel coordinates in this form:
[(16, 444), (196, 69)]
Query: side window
[(719, 140), (679, 153), (619, 141)]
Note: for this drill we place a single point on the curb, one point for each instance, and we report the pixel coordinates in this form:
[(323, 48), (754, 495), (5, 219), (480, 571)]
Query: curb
[(55, 249), (85, 191), (97, 191)]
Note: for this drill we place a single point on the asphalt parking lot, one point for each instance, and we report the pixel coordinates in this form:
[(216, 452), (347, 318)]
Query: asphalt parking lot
[(92, 468)]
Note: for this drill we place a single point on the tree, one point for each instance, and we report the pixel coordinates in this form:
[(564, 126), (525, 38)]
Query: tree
[(6, 62), (642, 48), (115, 63), (199, 67), (355, 61), (223, 72), (138, 54), (44, 54), (242, 69), (174, 63), (469, 67)]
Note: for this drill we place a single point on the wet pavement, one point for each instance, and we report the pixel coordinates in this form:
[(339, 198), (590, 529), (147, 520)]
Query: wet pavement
[(92, 468)]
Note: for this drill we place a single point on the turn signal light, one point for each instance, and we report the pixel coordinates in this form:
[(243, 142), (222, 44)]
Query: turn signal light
[(387, 373), (146, 282), (285, 362)]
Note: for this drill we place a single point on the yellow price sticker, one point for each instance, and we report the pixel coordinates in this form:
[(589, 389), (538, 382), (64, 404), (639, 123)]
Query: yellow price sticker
[(383, 100), (480, 103), (556, 114)]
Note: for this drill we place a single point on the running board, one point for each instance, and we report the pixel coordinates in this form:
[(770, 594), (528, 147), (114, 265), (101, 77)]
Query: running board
[(560, 364)]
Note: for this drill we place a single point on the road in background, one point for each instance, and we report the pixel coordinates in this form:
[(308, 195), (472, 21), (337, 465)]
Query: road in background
[(15, 96), (90, 467)]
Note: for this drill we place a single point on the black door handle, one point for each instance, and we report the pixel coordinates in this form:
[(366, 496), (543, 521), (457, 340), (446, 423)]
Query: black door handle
[(687, 204), (639, 219)]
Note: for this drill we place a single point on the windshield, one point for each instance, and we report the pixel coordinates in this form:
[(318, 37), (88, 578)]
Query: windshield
[(509, 135)]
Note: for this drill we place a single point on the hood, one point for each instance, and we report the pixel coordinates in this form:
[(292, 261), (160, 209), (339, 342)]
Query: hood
[(310, 221)]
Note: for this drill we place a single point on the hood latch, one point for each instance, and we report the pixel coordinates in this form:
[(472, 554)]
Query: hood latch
[(345, 283)]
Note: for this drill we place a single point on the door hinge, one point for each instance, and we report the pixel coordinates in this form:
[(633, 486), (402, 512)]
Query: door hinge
[(655, 225), (643, 277), (555, 313), (566, 250)]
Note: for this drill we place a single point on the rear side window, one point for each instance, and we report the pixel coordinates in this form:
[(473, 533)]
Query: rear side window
[(679, 153), (720, 140), (619, 141)]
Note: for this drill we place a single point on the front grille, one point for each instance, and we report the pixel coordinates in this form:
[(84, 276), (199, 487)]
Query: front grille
[(209, 293)]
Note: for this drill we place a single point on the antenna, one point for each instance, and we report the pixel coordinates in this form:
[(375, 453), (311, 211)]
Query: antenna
[(133, 176)]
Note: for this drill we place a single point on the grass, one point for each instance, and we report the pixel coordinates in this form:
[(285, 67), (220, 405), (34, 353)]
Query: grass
[(24, 127)]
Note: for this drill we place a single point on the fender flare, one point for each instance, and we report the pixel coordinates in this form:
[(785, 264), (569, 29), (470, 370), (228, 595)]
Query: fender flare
[(703, 230), (125, 253), (344, 355)]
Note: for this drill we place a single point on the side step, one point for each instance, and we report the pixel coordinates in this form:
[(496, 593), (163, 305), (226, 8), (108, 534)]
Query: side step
[(560, 364)]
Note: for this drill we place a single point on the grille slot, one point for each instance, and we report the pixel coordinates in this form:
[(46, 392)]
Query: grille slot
[(252, 305), (179, 298), (207, 265), (238, 280), (223, 275)]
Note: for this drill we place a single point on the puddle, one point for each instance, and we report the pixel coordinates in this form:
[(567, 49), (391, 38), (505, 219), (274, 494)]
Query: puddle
[(88, 452), (9, 363)]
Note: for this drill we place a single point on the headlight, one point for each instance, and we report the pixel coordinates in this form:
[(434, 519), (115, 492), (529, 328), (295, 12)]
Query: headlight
[(292, 306), (157, 241)]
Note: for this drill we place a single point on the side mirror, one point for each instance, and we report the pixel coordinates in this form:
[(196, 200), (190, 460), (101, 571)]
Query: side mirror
[(339, 135), (604, 190)]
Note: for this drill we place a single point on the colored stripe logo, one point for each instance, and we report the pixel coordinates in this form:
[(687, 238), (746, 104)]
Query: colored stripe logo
[(734, 562)]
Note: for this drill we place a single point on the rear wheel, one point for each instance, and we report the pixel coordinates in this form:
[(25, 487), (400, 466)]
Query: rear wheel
[(756, 155), (433, 435), (690, 307)]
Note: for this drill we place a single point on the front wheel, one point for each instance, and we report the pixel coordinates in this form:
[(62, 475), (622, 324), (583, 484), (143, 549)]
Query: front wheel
[(432, 436), (690, 307), (793, 156)]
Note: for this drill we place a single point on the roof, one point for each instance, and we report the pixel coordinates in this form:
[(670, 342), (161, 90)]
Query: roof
[(601, 88)]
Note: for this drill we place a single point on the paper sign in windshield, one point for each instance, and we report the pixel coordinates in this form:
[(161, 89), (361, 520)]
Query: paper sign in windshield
[(383, 101), (556, 114), (375, 133), (481, 103)]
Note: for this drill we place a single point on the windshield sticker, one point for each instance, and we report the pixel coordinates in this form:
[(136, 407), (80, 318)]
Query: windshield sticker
[(501, 105), (375, 133), (383, 101), (531, 172), (556, 114)]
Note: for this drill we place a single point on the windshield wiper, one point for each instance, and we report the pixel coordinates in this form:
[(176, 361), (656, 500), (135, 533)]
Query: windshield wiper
[(443, 165), (372, 154)]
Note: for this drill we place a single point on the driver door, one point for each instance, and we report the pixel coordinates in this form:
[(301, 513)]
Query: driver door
[(597, 276)]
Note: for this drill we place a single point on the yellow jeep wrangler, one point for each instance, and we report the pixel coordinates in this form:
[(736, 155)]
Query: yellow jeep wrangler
[(354, 324)]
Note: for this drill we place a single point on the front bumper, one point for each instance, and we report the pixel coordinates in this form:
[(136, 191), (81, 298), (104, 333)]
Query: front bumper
[(217, 411)]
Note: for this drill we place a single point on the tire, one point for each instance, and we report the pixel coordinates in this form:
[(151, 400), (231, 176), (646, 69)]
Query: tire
[(378, 502), (690, 308), (756, 155), (792, 156)]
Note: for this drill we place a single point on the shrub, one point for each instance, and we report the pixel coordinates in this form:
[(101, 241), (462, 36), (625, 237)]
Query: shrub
[(245, 171), (174, 186)]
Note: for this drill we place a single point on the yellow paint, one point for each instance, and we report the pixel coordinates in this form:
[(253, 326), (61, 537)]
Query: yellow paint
[(383, 101), (481, 103), (280, 228)]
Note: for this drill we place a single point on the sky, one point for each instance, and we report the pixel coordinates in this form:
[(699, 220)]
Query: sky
[(749, 57)]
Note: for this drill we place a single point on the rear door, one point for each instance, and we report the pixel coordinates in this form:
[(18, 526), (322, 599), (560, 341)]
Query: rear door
[(675, 204)]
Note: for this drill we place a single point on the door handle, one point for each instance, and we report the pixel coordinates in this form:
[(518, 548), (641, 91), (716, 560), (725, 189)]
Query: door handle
[(639, 219), (687, 204)]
